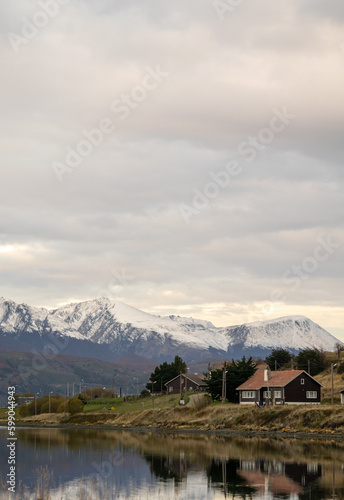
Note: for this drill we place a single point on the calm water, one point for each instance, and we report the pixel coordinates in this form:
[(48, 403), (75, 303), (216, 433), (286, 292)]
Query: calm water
[(94, 464)]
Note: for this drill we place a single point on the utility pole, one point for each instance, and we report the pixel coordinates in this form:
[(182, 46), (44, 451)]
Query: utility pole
[(332, 366), (309, 366), (49, 399), (275, 366), (180, 385), (224, 383)]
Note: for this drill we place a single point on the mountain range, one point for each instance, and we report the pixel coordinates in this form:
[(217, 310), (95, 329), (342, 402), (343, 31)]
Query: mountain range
[(108, 330)]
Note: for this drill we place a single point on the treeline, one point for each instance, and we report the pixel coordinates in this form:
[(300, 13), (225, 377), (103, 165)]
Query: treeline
[(60, 404), (164, 373), (313, 361)]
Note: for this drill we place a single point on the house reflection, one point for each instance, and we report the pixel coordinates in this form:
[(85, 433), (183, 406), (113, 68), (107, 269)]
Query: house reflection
[(245, 478), (168, 467)]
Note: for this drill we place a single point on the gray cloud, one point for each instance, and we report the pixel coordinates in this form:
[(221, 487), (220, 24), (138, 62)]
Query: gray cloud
[(119, 210)]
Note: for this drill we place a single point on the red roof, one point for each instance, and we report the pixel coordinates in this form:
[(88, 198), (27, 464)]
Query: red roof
[(278, 379)]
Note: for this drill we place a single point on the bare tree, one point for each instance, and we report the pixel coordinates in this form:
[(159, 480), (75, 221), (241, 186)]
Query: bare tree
[(339, 347)]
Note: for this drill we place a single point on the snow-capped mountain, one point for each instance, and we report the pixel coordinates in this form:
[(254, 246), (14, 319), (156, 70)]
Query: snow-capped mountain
[(292, 333), (107, 329)]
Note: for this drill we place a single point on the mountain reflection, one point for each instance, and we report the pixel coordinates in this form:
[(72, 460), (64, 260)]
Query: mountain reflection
[(128, 465)]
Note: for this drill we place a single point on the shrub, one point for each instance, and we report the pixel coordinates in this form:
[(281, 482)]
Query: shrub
[(202, 402), (24, 410), (340, 368), (62, 408), (54, 404), (75, 405)]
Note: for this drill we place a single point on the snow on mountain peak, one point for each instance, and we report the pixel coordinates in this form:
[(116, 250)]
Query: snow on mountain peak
[(288, 332), (127, 329)]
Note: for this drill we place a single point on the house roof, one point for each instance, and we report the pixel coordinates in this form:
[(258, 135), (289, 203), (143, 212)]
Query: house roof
[(191, 378), (278, 379)]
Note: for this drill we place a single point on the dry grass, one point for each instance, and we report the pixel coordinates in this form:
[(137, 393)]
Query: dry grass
[(315, 418)]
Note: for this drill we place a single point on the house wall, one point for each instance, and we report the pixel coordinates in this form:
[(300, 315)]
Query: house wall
[(175, 386), (259, 396), (295, 392), (248, 401)]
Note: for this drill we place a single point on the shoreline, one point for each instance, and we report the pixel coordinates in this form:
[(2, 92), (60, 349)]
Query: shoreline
[(297, 422), (268, 434)]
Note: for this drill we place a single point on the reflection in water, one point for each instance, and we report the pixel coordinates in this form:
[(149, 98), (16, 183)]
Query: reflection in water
[(101, 464)]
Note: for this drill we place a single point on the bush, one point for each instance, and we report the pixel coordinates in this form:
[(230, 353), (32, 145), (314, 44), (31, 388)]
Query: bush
[(202, 402), (340, 368), (75, 405), (144, 393), (54, 405), (62, 408), (24, 410)]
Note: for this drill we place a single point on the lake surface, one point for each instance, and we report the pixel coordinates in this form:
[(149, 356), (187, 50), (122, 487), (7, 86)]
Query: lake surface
[(63, 464)]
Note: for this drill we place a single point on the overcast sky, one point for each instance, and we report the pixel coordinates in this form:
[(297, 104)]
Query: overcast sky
[(185, 157)]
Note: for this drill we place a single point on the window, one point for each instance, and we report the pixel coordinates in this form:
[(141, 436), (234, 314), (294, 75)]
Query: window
[(249, 394), (311, 394), (302, 381), (278, 394), (267, 394), (170, 389)]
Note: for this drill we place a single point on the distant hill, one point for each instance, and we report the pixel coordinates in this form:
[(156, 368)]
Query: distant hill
[(31, 372)]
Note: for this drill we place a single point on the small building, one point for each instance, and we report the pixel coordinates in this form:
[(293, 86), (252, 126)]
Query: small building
[(188, 382), (342, 397), (25, 399), (280, 387)]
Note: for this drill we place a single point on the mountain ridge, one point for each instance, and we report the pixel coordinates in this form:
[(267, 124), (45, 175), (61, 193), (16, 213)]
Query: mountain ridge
[(110, 329)]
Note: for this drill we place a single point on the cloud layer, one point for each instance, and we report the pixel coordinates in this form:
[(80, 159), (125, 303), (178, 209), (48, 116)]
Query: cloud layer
[(153, 212)]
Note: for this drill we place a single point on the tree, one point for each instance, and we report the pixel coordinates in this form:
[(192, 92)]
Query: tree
[(178, 365), (164, 373), (279, 358), (237, 373), (339, 347), (214, 382), (311, 360), (75, 405)]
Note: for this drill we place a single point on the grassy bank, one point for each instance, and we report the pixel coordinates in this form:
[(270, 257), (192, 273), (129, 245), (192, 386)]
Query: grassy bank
[(288, 419), (130, 404)]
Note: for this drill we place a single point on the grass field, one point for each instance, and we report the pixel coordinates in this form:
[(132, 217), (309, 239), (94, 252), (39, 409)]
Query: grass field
[(118, 405), (3, 413)]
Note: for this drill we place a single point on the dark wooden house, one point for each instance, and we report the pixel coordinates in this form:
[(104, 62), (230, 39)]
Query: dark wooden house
[(283, 387), (188, 383)]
